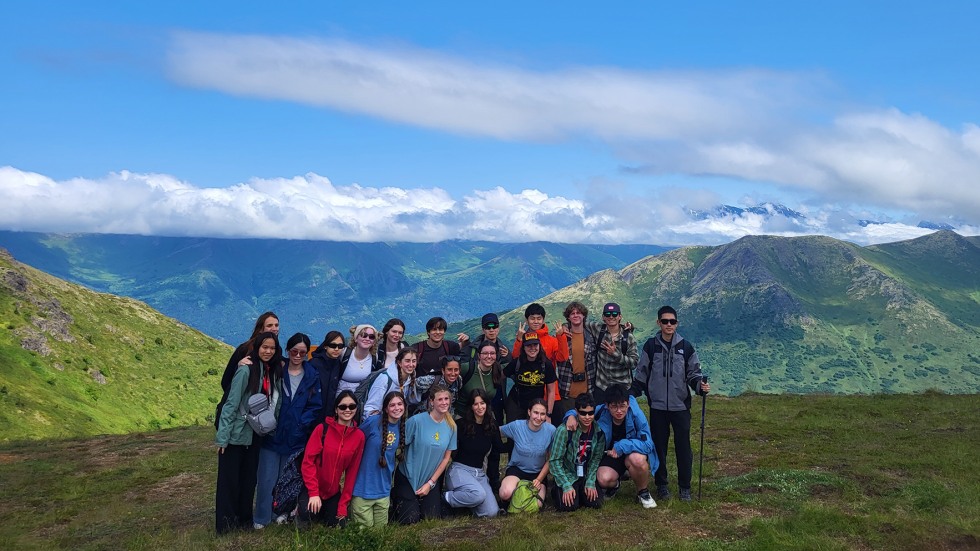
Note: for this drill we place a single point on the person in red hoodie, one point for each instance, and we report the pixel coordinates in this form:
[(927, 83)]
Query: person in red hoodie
[(554, 348), (328, 457)]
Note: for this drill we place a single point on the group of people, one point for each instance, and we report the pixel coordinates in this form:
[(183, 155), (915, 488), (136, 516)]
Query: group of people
[(391, 431)]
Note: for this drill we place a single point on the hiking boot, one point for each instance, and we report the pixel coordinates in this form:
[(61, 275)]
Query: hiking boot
[(611, 492), (685, 494), (663, 492), (646, 499)]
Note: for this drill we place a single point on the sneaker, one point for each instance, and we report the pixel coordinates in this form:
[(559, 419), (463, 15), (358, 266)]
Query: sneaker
[(257, 526), (646, 499), (611, 492), (685, 494), (663, 492), (282, 519)]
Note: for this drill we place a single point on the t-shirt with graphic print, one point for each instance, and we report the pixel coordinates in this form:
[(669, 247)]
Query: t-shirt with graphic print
[(530, 379)]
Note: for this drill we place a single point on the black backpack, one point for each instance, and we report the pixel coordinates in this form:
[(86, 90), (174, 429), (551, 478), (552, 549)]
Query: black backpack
[(285, 494)]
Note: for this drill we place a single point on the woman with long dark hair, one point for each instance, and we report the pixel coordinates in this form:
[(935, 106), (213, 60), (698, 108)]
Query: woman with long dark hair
[(391, 341), (297, 409), (238, 448), (430, 438), (406, 362), (326, 359), (333, 452), (384, 437), (467, 484), (268, 322)]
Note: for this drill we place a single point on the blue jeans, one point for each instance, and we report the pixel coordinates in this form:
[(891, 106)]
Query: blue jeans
[(270, 465)]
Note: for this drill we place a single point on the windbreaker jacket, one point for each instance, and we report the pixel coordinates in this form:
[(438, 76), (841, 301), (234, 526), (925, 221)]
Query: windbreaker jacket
[(297, 414), (323, 464), (667, 372)]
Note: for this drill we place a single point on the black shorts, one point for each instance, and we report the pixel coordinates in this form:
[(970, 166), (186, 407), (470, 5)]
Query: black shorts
[(619, 463), (514, 471)]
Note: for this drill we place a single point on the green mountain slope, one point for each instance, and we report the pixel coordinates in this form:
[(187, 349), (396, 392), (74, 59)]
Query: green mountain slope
[(808, 314), (221, 285), (75, 362)]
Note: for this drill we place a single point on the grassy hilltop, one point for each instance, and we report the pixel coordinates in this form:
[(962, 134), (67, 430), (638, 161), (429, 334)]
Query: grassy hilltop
[(886, 472), (806, 314), (75, 362)]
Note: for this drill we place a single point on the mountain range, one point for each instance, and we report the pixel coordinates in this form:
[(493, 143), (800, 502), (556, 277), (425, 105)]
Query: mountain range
[(220, 286), (806, 314)]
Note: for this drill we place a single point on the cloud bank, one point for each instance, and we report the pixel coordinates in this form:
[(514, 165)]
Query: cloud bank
[(750, 124), (311, 207)]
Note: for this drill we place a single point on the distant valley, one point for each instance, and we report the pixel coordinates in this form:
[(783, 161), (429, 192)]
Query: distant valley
[(220, 286)]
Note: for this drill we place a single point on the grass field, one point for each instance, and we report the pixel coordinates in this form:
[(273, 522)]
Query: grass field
[(780, 472)]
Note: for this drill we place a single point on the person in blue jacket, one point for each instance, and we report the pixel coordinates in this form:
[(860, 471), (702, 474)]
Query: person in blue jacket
[(629, 444), (297, 408)]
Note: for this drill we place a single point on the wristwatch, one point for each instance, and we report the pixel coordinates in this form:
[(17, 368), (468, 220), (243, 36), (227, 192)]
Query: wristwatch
[(431, 484)]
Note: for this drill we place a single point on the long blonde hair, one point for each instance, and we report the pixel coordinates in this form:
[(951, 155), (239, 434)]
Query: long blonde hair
[(436, 389)]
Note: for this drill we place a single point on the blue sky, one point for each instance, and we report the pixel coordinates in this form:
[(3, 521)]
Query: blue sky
[(511, 121)]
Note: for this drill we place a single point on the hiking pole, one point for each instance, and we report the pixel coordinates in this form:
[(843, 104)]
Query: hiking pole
[(701, 453)]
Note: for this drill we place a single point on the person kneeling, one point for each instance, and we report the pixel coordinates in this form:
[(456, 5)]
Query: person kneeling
[(575, 458), (629, 444)]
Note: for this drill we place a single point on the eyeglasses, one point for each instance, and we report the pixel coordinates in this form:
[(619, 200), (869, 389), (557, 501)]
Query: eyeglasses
[(295, 352), (335, 345), (491, 326), (610, 314), (666, 321), (584, 412), (370, 336), (346, 407)]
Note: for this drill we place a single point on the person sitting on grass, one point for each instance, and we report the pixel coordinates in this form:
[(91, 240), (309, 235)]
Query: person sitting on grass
[(467, 482), (529, 460), (629, 444), (575, 458)]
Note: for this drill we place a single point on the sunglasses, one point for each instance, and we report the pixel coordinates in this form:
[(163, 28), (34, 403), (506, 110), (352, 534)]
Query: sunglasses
[(294, 352), (335, 345), (456, 359), (491, 326), (370, 336), (346, 407), (668, 321), (584, 412), (610, 314)]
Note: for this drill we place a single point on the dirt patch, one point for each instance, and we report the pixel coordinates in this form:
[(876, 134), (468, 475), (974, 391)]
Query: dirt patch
[(9, 458)]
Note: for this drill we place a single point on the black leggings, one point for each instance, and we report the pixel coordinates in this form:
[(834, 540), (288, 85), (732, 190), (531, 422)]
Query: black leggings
[(409, 508), (327, 513), (581, 500), (661, 422)]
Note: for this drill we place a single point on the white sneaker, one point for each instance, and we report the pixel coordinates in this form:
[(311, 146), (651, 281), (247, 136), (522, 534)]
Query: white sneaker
[(282, 519), (257, 526), (646, 499)]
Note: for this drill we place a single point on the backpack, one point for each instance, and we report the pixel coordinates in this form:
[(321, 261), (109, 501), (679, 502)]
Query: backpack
[(525, 499), (364, 389), (286, 492), (623, 341)]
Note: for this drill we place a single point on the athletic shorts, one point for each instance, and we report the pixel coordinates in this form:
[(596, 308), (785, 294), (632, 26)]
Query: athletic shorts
[(514, 471), (619, 463)]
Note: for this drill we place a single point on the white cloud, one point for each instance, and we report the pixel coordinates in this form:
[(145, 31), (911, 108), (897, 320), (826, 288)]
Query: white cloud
[(432, 90), (311, 207), (752, 124)]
